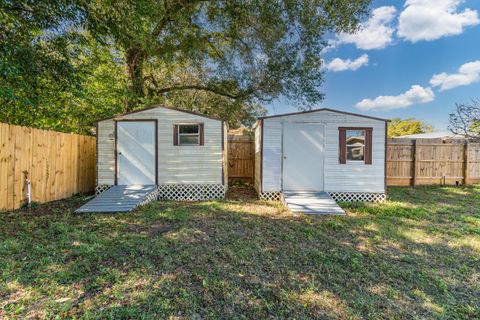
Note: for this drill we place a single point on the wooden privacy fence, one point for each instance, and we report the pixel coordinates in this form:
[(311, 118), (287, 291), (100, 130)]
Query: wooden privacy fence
[(432, 161), (59, 165), (241, 153)]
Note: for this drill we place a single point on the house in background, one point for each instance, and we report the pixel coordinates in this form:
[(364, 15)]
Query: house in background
[(341, 154), (181, 152), (432, 135)]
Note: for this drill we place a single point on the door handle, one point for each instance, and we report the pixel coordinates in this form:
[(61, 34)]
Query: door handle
[(119, 153), (284, 157)]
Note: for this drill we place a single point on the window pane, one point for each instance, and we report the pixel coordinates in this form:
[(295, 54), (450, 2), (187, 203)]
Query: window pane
[(188, 128), (355, 137), (355, 153), (189, 140), (355, 145)]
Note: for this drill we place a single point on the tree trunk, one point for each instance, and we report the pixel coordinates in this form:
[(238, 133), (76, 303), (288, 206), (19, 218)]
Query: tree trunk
[(135, 57)]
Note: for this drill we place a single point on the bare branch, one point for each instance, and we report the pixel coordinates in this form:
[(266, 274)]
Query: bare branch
[(465, 121)]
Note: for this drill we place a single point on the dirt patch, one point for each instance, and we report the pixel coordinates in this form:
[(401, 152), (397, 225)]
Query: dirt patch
[(151, 230), (242, 192)]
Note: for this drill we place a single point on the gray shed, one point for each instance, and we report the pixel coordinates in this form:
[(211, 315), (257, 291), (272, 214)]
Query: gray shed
[(181, 152), (327, 151)]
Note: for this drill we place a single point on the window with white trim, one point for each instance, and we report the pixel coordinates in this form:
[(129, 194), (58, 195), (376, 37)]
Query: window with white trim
[(188, 134), (355, 144)]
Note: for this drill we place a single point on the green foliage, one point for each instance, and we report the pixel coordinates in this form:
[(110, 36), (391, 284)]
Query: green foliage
[(243, 50), (39, 77), (400, 127), (66, 63)]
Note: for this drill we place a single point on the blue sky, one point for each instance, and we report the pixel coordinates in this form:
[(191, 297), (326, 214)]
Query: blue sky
[(412, 58)]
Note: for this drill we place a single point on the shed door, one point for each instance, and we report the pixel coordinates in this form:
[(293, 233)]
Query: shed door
[(136, 152), (303, 156)]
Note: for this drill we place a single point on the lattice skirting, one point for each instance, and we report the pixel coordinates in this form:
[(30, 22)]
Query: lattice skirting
[(271, 196), (102, 188), (337, 196), (191, 192), (180, 192), (358, 196)]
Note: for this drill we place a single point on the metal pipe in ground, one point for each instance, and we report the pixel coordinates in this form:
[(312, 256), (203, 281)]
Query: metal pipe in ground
[(28, 190)]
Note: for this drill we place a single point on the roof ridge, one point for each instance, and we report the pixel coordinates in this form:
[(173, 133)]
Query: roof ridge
[(165, 107), (323, 109)]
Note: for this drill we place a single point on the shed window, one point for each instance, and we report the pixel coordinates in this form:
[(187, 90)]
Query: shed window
[(355, 144), (188, 134)]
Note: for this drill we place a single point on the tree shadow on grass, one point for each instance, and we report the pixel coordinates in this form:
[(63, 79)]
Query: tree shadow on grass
[(239, 259)]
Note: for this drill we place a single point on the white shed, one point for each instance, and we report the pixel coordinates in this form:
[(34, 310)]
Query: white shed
[(323, 150), (181, 152)]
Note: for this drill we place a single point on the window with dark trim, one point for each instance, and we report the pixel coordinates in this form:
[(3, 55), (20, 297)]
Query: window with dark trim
[(355, 145), (191, 134)]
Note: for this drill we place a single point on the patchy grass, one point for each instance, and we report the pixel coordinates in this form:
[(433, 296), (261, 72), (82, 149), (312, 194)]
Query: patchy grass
[(415, 256)]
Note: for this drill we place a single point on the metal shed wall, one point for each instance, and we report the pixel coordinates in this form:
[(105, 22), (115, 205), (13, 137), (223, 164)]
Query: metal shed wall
[(176, 164), (350, 177)]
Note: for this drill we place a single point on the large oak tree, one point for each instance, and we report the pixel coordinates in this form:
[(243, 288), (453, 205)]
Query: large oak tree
[(241, 50), (66, 63)]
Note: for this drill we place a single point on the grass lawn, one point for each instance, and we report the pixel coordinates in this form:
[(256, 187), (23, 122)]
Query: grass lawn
[(415, 256)]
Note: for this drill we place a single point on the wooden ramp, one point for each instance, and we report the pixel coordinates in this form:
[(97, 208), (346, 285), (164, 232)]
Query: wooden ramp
[(120, 199), (311, 203)]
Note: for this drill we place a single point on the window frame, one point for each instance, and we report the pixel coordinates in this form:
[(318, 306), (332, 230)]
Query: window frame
[(177, 135), (368, 145), (188, 134)]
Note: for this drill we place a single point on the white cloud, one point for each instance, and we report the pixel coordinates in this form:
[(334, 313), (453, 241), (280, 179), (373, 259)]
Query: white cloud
[(338, 64), (415, 95), (375, 33), (468, 73), (432, 19), (331, 44)]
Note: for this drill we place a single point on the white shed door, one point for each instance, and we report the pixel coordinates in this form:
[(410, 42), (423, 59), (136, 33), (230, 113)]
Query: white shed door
[(136, 152), (303, 156)]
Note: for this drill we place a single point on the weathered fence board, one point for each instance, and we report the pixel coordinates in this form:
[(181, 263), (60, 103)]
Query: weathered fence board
[(241, 152), (432, 161), (472, 164), (59, 165)]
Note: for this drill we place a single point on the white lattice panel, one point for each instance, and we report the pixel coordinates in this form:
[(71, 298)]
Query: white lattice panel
[(358, 196), (191, 192), (102, 188), (271, 196)]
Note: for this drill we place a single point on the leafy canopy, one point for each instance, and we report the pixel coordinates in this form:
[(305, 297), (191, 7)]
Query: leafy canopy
[(401, 127), (66, 63), (243, 50)]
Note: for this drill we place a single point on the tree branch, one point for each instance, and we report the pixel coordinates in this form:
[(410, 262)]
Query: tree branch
[(218, 91), (170, 11)]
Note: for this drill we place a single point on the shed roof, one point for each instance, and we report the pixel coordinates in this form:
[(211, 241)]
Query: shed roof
[(160, 106), (323, 109)]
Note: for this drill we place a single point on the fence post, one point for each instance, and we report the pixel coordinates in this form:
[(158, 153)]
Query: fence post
[(415, 163), (465, 163)]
